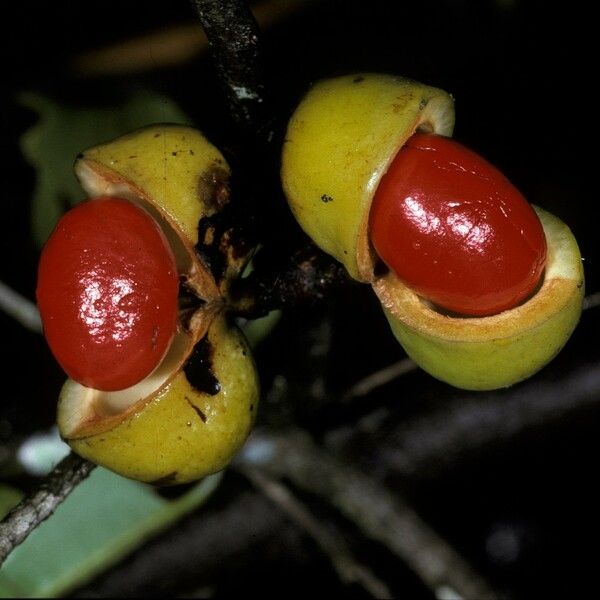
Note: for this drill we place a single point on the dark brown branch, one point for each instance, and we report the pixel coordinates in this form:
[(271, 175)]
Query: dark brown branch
[(38, 506), (462, 427), (381, 515), (233, 36), (469, 423), (328, 539)]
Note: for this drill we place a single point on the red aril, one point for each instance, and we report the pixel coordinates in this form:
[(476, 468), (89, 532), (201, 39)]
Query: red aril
[(108, 293), (455, 230)]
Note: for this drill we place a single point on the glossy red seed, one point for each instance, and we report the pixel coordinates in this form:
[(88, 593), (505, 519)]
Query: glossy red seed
[(455, 230), (108, 293)]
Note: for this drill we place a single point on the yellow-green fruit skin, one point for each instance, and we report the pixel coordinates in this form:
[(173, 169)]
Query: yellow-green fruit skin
[(183, 434), (498, 351), (173, 165), (339, 143)]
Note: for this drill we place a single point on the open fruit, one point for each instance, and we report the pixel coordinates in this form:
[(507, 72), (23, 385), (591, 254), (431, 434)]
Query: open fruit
[(341, 140), (490, 352), (189, 416)]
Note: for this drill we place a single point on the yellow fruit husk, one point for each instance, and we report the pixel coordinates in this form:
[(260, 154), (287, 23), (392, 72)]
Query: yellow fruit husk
[(180, 434), (339, 143), (500, 350), (174, 173), (174, 166), (165, 430)]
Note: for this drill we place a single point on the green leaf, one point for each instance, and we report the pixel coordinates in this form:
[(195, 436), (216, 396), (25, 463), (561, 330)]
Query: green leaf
[(42, 451), (104, 519), (62, 132), (258, 329)]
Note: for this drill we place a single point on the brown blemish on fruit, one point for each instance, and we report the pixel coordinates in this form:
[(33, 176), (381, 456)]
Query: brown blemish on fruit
[(214, 239), (198, 369), (168, 479), (207, 248), (197, 410), (222, 245), (209, 235), (213, 188)]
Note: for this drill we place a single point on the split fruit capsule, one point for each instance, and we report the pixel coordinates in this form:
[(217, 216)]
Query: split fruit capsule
[(132, 290), (480, 288)]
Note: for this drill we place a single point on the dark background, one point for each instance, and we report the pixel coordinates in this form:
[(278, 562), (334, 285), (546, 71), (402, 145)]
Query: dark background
[(523, 509)]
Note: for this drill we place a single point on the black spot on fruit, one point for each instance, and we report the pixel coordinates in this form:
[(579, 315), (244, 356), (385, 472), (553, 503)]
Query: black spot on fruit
[(197, 410), (198, 369)]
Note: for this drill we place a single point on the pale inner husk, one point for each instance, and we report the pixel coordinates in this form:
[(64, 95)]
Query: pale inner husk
[(88, 409), (563, 277)]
